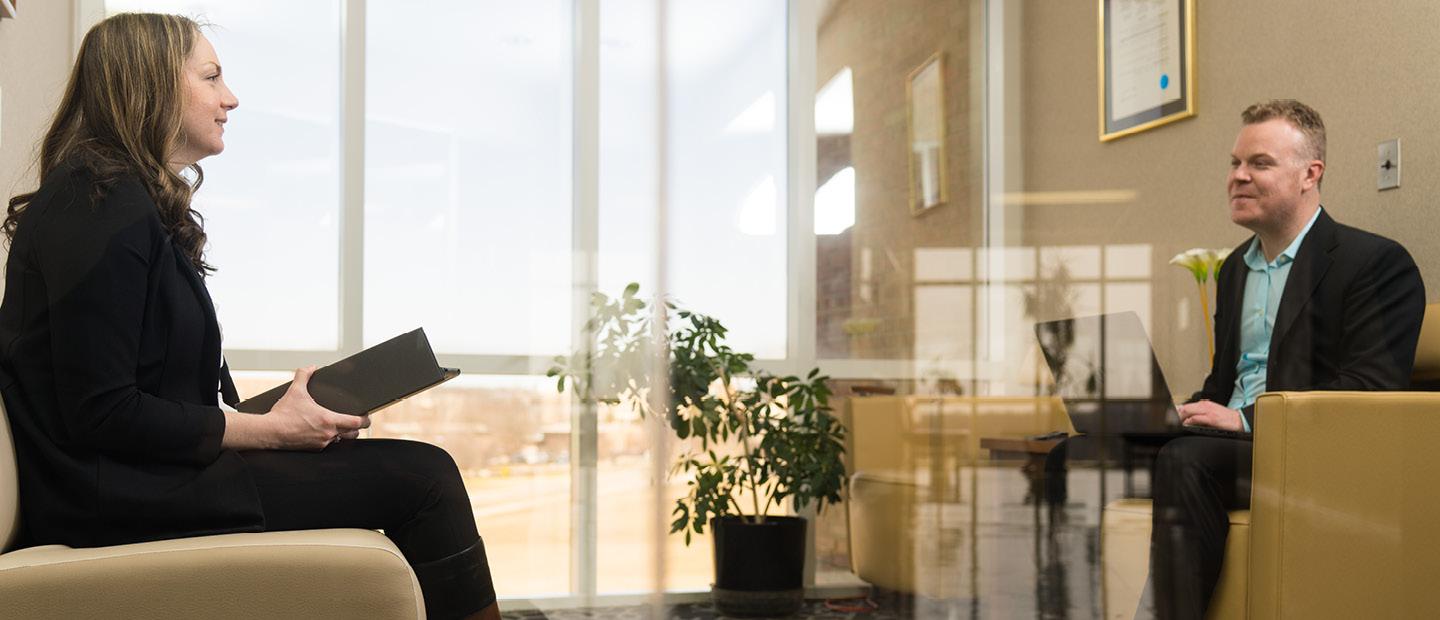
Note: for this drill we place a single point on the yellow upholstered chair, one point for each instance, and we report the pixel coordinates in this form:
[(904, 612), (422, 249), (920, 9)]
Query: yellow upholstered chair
[(339, 573), (1343, 509), (1125, 560)]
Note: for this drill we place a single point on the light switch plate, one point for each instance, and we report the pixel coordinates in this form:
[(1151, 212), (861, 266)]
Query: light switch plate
[(1387, 165)]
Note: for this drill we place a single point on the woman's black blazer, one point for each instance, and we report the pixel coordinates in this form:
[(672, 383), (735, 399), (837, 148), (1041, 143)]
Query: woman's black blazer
[(109, 369)]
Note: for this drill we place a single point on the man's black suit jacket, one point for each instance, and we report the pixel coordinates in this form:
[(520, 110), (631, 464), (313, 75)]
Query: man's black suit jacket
[(1349, 317), (109, 367)]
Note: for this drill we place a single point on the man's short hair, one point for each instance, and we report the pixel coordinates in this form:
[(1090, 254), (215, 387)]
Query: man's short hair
[(1299, 115)]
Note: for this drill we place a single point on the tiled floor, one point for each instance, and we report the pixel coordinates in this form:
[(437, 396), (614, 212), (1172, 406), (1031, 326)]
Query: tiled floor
[(1013, 563)]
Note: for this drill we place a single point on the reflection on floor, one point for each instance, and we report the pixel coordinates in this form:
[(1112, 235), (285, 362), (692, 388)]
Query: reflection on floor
[(884, 608), (1021, 564)]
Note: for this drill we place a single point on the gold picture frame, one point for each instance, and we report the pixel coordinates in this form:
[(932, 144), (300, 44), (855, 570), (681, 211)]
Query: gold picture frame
[(925, 134), (1146, 49)]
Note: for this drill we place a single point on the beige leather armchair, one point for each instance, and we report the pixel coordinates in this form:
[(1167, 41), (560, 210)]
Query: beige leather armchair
[(340, 573), (1344, 518)]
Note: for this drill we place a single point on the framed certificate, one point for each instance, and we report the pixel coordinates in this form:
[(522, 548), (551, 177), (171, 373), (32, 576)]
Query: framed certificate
[(1147, 64)]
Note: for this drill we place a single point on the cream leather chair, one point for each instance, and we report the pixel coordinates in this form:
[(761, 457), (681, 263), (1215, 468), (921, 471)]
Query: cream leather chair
[(1344, 518), (340, 573)]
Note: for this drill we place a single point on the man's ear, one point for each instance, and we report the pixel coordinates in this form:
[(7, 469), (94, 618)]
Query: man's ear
[(1314, 173)]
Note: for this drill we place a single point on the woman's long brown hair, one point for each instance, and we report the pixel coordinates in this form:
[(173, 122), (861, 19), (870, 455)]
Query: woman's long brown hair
[(121, 114)]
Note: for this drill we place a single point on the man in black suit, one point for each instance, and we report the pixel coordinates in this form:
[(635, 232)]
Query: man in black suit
[(1304, 304)]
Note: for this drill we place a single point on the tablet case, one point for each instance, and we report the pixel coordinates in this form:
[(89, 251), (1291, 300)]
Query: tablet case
[(370, 380)]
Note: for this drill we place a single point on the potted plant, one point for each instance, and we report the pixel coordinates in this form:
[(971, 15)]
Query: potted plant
[(757, 442)]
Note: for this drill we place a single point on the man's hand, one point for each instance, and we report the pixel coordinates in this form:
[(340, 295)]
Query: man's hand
[(1206, 413)]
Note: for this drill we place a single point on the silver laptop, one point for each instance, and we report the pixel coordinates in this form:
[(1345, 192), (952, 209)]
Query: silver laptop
[(1106, 374)]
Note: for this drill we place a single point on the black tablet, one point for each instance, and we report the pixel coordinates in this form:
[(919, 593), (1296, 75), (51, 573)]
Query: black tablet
[(370, 380)]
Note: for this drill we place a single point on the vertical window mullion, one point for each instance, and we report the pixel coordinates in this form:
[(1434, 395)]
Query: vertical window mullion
[(352, 176), (800, 168), (659, 368), (585, 241)]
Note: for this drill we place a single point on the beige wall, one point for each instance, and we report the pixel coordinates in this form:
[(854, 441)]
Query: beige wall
[(1373, 75), (35, 55)]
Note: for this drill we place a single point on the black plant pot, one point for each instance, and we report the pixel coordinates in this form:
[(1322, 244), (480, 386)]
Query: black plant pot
[(759, 567)]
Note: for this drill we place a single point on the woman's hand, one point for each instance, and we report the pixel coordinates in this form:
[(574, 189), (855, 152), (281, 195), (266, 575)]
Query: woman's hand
[(299, 423), (296, 422)]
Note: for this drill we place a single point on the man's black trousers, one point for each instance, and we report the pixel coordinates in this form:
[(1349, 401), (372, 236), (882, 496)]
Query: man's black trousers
[(1197, 481)]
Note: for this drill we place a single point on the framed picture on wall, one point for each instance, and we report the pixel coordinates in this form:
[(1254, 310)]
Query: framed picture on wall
[(7, 8), (925, 112), (1147, 64)]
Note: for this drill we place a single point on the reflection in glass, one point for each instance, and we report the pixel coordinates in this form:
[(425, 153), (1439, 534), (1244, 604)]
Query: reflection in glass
[(727, 223), (926, 94)]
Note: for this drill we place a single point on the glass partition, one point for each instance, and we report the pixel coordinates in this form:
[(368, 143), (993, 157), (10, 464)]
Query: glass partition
[(913, 197)]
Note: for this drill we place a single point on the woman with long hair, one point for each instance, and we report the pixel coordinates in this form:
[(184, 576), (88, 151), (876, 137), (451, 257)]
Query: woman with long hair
[(110, 353)]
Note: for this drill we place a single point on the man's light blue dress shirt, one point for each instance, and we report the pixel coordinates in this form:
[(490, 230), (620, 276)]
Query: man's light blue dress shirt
[(1264, 285)]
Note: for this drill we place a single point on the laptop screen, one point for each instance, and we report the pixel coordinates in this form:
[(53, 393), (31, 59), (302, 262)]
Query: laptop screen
[(1104, 365)]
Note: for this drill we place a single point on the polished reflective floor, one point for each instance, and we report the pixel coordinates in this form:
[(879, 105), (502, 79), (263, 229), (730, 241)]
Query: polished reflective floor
[(1017, 562)]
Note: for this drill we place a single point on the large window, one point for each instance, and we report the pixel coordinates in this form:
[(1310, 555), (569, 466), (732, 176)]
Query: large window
[(467, 174), (463, 179), (272, 203)]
